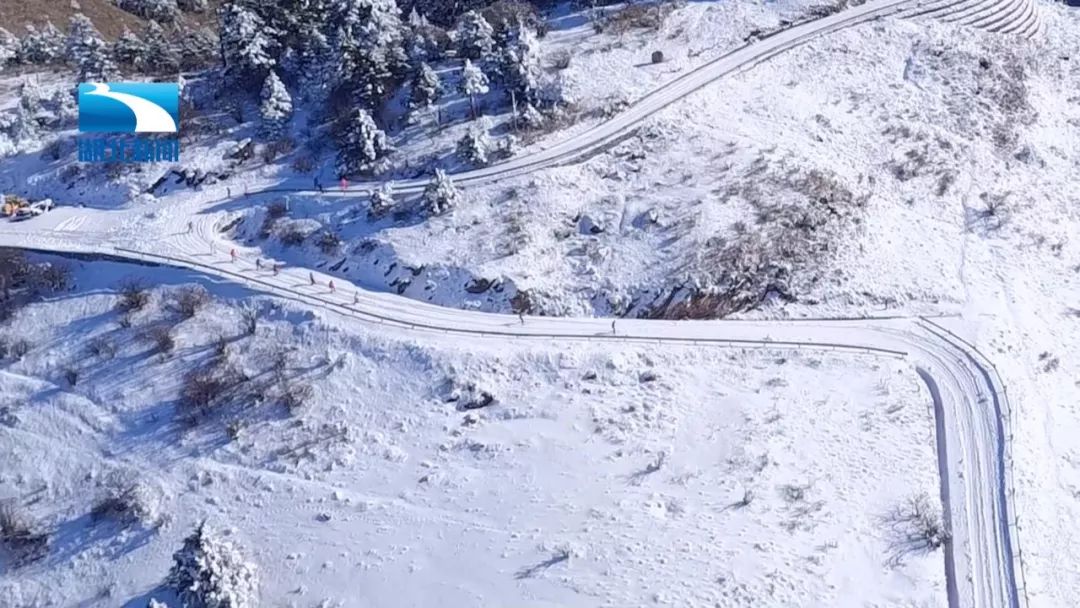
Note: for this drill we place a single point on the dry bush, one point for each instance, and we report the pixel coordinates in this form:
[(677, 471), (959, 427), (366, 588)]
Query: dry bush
[(914, 527), (19, 536), (277, 148), (101, 348), (208, 387), (328, 242), (303, 163), (134, 296), (294, 396), (127, 501), (161, 338), (14, 349), (249, 320), (188, 301), (292, 236), (646, 16)]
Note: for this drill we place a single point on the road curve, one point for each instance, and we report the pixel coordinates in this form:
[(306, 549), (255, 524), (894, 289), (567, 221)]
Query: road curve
[(971, 415), (1018, 17), (971, 409)]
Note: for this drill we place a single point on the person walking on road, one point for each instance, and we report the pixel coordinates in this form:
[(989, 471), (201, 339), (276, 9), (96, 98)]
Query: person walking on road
[(355, 298), (521, 317), (228, 192), (190, 227), (613, 327), (258, 263), (232, 254), (275, 269), (331, 285), (311, 277)]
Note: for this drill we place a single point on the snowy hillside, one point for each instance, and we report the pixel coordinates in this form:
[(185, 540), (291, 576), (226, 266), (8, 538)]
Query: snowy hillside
[(415, 452), (597, 476)]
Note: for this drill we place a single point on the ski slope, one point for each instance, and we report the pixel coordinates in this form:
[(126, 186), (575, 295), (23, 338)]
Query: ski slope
[(970, 404)]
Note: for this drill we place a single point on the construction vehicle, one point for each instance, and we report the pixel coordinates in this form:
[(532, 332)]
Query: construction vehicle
[(13, 203)]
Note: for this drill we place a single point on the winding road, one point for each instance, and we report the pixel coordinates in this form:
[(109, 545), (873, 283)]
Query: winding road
[(971, 408)]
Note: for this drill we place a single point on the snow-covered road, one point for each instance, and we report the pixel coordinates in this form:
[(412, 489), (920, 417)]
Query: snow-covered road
[(969, 399)]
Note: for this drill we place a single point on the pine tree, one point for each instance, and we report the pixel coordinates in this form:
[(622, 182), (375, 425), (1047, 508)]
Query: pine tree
[(369, 40), (361, 144), (532, 117), (473, 82), (162, 55), (474, 36), (209, 572), (426, 88), (248, 44), (87, 51), (440, 195), (25, 127), (129, 51), (382, 200), (276, 105), (474, 147), (519, 63), (9, 48), (42, 47)]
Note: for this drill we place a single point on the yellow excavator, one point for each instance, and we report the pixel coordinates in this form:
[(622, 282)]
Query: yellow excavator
[(12, 204)]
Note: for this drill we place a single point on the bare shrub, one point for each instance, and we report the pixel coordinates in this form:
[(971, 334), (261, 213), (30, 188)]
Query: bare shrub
[(127, 501), (562, 59), (249, 320), (293, 396), (638, 16), (188, 301), (134, 296), (328, 242), (160, 336), (995, 212), (277, 210), (914, 527), (303, 163), (277, 148), (15, 349), (71, 375), (101, 347), (19, 536), (292, 236)]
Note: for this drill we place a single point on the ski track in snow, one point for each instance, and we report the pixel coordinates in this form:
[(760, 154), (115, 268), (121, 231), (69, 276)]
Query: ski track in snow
[(969, 398)]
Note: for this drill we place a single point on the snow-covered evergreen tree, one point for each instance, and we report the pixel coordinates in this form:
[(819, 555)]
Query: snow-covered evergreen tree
[(519, 63), (25, 129), (382, 200), (9, 48), (129, 51), (248, 44), (369, 41), (87, 51), (209, 572), (192, 6), (440, 195), (197, 49), (165, 11), (162, 55), (474, 147), (474, 36), (473, 82), (276, 107), (426, 87), (361, 144), (41, 47), (531, 117)]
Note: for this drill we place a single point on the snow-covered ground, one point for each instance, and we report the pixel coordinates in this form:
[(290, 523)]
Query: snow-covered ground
[(947, 157), (599, 475)]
